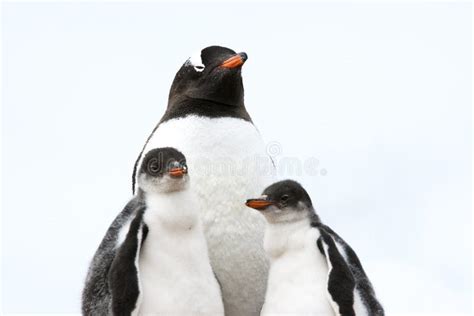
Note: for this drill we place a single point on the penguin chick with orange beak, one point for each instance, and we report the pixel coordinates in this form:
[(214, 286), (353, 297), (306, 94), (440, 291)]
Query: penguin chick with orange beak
[(313, 271), (154, 258)]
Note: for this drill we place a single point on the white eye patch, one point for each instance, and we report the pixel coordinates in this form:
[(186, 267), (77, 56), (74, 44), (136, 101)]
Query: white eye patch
[(196, 61)]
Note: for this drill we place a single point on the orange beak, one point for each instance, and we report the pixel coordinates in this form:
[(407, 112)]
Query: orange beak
[(258, 204), (177, 172), (235, 61)]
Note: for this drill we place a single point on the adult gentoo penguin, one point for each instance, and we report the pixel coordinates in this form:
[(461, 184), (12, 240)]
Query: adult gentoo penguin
[(313, 271), (154, 258), (207, 120)]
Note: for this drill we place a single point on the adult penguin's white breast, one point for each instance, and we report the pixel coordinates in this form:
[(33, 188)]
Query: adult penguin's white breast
[(228, 163), (227, 160)]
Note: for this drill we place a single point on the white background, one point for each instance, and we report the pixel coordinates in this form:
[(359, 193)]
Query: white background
[(380, 94)]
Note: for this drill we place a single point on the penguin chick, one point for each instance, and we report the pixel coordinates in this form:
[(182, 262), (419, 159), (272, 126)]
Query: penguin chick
[(313, 271), (154, 258)]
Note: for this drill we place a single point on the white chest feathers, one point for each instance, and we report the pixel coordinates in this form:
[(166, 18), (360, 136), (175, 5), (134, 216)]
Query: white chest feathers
[(298, 271), (227, 161), (176, 277)]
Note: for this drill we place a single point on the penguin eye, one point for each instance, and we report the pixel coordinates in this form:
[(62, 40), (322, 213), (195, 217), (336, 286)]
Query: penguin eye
[(153, 166), (174, 164), (285, 198), (199, 68)]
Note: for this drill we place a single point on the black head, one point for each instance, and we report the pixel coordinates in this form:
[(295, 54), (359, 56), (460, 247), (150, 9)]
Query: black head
[(162, 170), (213, 76), (282, 200)]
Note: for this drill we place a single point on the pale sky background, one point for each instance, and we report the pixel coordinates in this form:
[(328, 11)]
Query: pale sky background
[(379, 94)]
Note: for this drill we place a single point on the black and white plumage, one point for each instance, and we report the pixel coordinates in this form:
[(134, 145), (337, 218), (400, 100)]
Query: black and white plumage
[(312, 271), (97, 296), (123, 276), (154, 257), (206, 119)]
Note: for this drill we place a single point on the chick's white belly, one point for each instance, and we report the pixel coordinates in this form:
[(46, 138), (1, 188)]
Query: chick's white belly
[(176, 277), (228, 164), (297, 284)]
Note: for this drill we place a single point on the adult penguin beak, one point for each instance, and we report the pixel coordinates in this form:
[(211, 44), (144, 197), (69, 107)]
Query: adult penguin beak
[(259, 204), (177, 172), (235, 61)]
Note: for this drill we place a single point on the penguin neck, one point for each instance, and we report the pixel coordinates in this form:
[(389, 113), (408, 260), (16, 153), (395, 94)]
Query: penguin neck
[(281, 237), (182, 106), (172, 210)]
